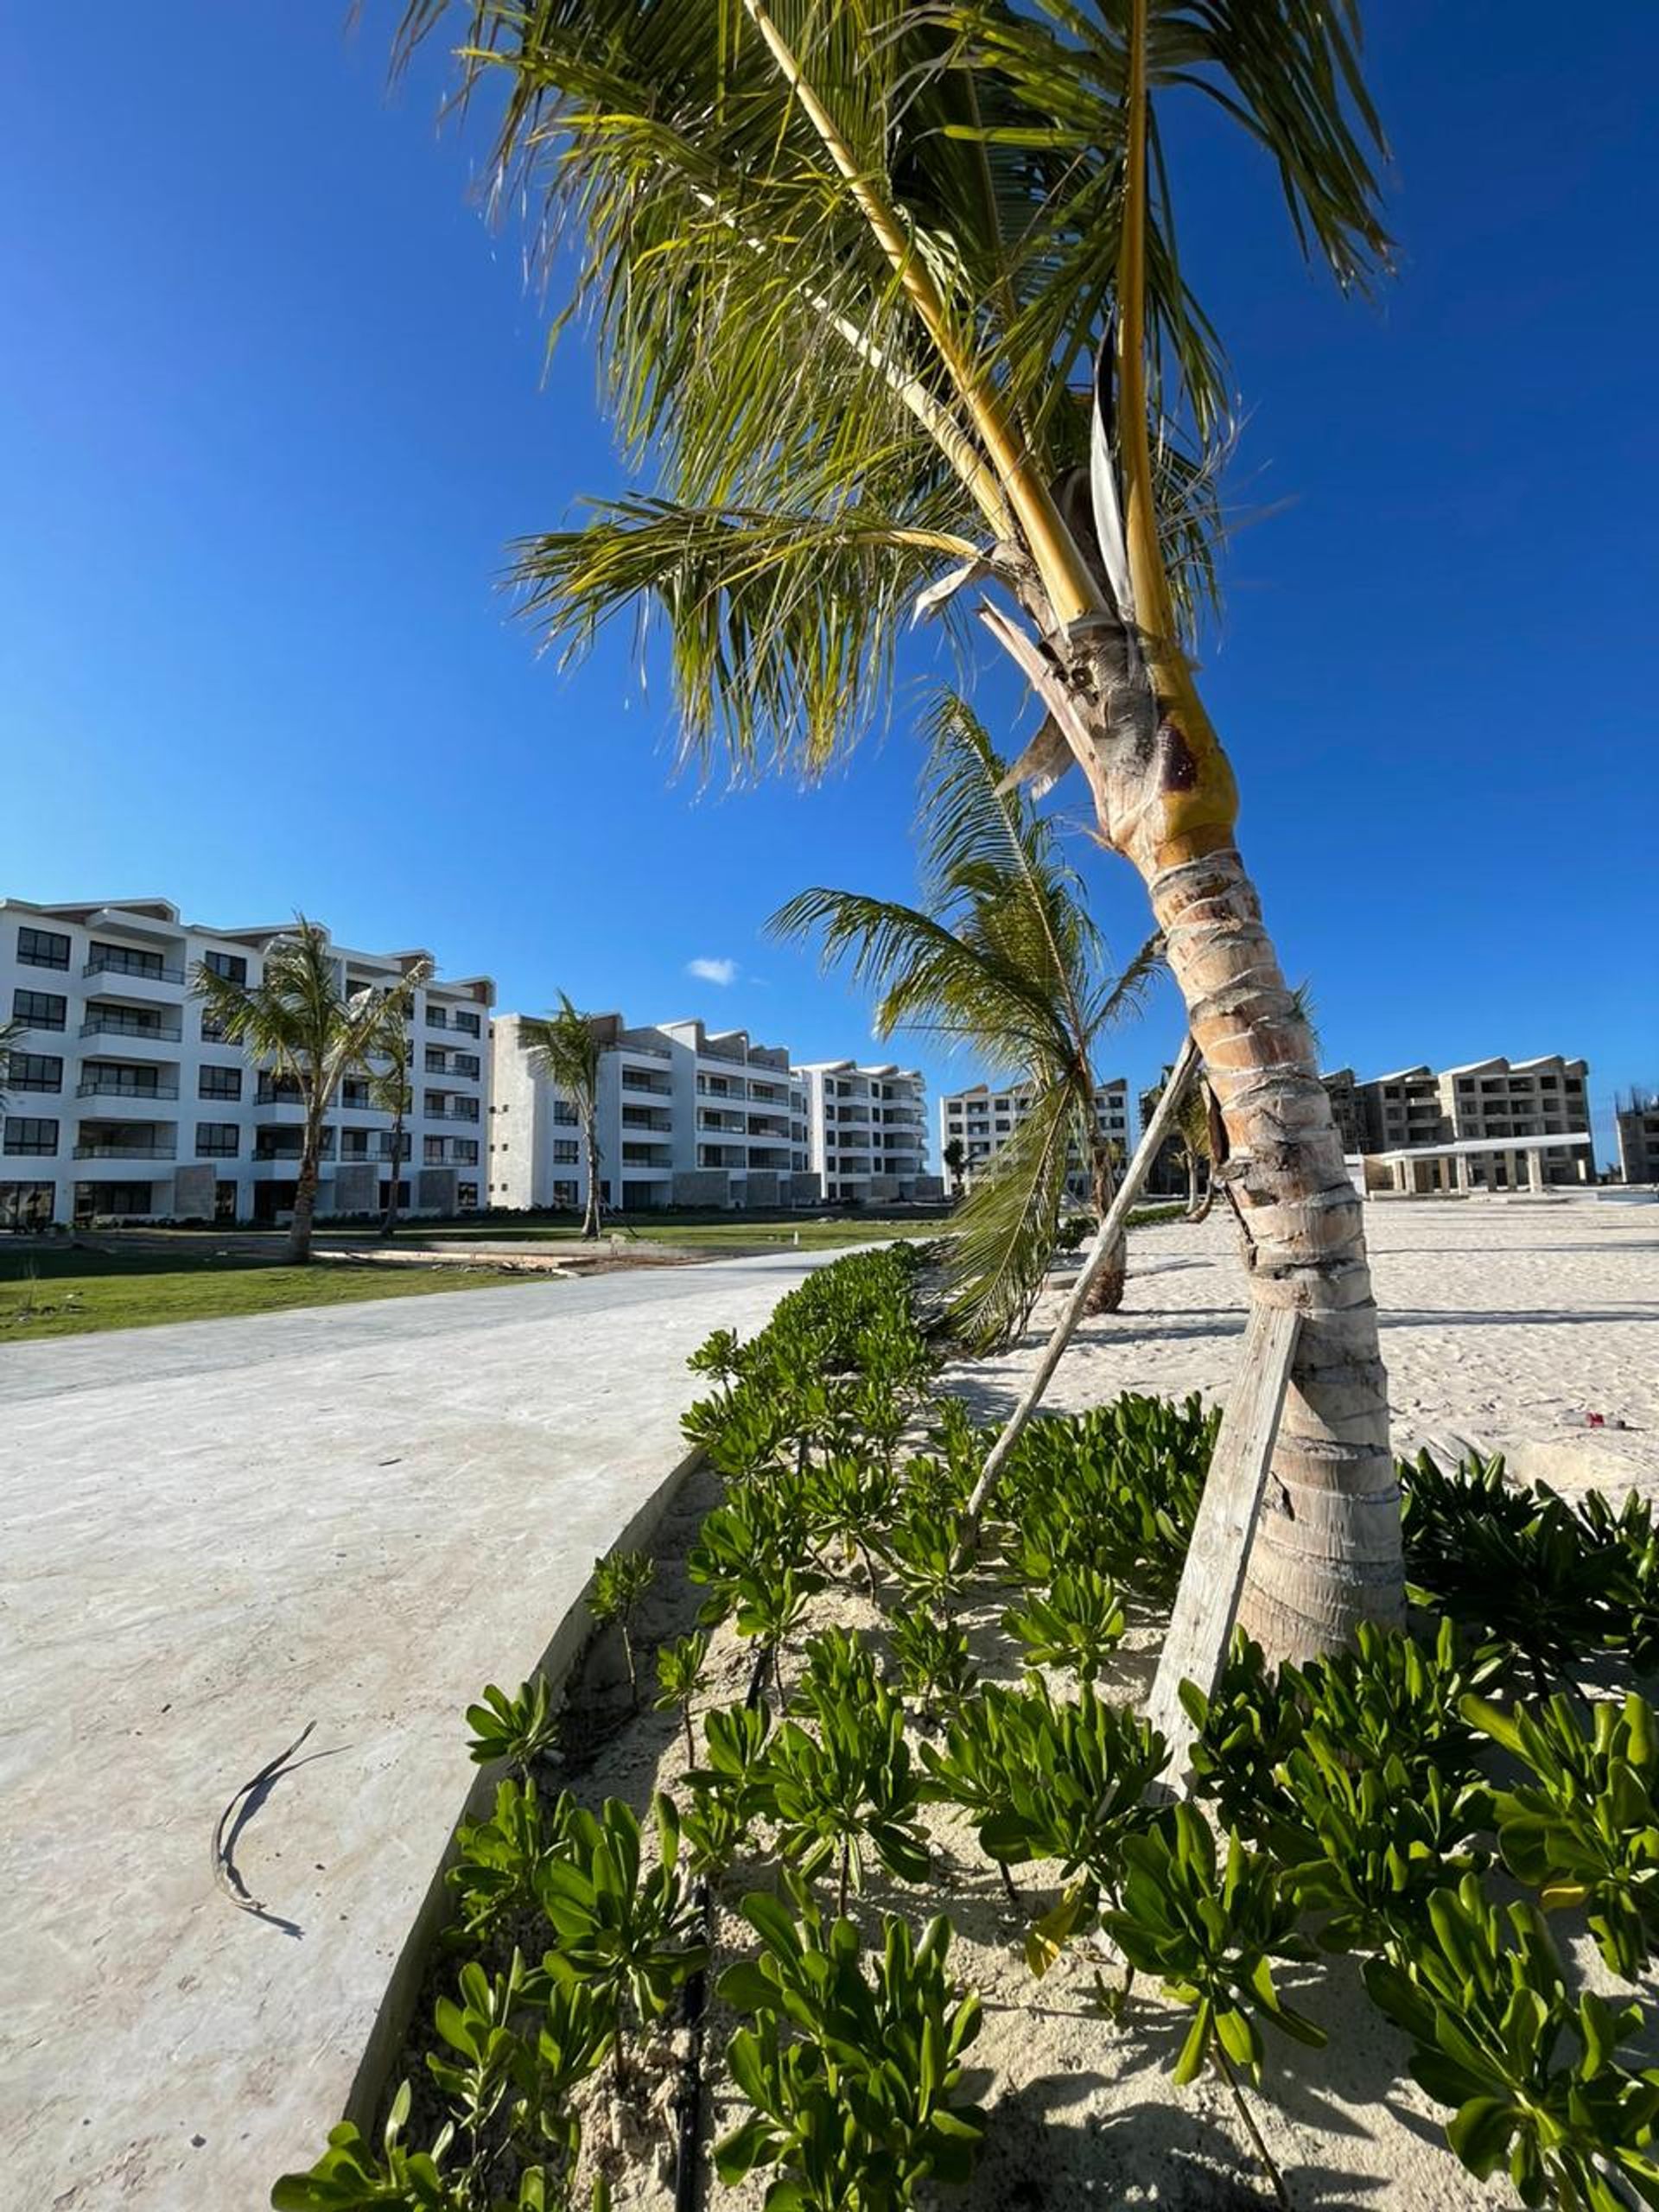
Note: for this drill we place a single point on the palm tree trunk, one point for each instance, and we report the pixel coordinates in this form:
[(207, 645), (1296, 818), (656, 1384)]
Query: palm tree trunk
[(389, 1226), (1328, 1548), (1106, 1293), (305, 1200), (590, 1217), (1191, 1183)]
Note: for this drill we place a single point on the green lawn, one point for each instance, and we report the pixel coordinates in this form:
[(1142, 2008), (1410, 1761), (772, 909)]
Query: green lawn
[(71, 1293)]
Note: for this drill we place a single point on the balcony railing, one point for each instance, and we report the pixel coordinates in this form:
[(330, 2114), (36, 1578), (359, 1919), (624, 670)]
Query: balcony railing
[(132, 964), (123, 1148), (124, 1025), (99, 1086)]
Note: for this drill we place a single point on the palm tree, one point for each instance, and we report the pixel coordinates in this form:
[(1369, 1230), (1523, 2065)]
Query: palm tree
[(12, 1035), (1002, 956), (564, 1047), (956, 1160), (295, 1023), (387, 1069), (896, 308)]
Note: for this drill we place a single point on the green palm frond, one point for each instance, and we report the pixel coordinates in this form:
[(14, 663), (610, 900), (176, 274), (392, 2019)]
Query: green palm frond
[(816, 418), (1006, 1225), (564, 1047)]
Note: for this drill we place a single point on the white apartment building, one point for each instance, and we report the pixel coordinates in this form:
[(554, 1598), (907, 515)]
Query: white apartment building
[(687, 1117), (981, 1119), (869, 1131), (124, 1103)]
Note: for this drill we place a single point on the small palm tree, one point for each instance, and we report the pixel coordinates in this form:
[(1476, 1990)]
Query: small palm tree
[(564, 1047), (386, 1071), (956, 1160), (1001, 956), (12, 1035), (296, 1022)]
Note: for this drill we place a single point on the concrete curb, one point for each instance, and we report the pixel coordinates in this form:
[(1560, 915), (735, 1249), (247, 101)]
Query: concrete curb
[(557, 1664)]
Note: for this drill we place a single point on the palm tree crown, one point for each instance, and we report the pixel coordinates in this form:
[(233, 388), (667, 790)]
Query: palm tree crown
[(1001, 956)]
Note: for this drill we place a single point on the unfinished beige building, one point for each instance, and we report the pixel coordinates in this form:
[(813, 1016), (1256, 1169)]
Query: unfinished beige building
[(1492, 1112), (1637, 1123)]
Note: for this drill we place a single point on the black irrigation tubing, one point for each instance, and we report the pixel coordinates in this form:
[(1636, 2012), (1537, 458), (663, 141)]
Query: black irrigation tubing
[(688, 2098)]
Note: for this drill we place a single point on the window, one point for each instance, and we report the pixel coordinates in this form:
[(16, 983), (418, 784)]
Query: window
[(26, 1205), (42, 949), (432, 1151), (468, 1022), (564, 1152), (35, 1071), (464, 1064), (40, 1009), (436, 1018), (217, 1140), (107, 1198), (28, 1132), (466, 1195), (212, 1031), (564, 1194), (230, 965), (564, 1113), (219, 1082), (355, 1094), (464, 1151)]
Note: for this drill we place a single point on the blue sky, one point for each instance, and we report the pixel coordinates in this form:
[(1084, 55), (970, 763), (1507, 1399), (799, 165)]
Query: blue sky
[(273, 399)]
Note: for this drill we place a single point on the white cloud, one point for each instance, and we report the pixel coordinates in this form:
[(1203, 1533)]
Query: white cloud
[(713, 971)]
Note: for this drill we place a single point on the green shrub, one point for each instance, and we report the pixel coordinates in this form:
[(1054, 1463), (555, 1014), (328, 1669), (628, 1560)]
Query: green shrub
[(621, 1580), (621, 1933), (922, 1547), (932, 1658), (1116, 1489), (1586, 1831), (1535, 2079), (850, 1787), (1254, 1720), (499, 1860), (732, 1791), (1077, 1624), (854, 2080), (1211, 1936), (1504, 1560), (523, 1729), (680, 1675)]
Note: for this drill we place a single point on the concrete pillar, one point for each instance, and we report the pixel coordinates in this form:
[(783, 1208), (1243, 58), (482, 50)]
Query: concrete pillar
[(1465, 1171), (1535, 1173), (1402, 1175)]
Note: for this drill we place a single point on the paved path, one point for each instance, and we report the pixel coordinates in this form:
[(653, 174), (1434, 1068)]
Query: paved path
[(212, 1533)]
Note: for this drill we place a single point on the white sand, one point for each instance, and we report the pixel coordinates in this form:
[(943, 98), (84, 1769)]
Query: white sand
[(1503, 1322)]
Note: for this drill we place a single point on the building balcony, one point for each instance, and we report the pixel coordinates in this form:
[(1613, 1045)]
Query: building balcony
[(117, 1021), (167, 980), (126, 1148), (643, 1117), (648, 1155), (649, 1086), (450, 1114), (134, 1097)]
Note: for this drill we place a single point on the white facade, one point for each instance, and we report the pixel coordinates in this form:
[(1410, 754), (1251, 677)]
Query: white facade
[(122, 1104), (981, 1120), (869, 1131), (687, 1117)]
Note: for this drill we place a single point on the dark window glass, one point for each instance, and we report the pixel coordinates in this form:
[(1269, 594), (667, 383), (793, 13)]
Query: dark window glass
[(42, 949), (28, 1132), (212, 1030), (230, 965), (122, 960), (39, 1009), (434, 1060), (219, 1082), (35, 1071), (467, 1021), (466, 1150), (467, 1195), (218, 1140)]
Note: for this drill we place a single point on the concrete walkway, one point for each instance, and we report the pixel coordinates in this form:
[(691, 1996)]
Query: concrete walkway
[(212, 1534)]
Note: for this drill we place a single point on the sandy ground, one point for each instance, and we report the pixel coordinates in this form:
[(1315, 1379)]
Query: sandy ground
[(1505, 1324)]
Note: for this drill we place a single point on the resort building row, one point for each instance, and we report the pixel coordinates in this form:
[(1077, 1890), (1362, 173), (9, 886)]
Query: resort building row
[(124, 1101), (981, 1119), (688, 1116), (1481, 1127)]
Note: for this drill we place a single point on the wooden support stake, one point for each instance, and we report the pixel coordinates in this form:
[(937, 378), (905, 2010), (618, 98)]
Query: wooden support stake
[(1106, 1237), (1206, 1605)]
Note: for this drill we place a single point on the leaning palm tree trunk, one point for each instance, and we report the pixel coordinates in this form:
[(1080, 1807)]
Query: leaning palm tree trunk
[(305, 1197), (590, 1223), (1106, 1293)]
